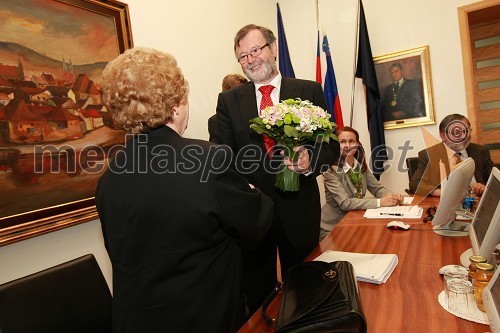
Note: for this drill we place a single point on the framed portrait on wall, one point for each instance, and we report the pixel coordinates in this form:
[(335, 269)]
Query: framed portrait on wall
[(404, 80), (56, 136)]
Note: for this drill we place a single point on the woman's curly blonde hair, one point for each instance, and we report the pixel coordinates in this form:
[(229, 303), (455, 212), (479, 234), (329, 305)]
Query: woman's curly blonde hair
[(141, 87)]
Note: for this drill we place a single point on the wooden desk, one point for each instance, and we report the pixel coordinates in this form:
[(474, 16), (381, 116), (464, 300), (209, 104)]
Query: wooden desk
[(408, 301)]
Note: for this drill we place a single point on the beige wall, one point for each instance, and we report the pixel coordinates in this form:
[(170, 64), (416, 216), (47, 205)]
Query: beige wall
[(199, 34)]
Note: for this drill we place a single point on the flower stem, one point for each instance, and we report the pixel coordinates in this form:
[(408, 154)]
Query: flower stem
[(286, 179)]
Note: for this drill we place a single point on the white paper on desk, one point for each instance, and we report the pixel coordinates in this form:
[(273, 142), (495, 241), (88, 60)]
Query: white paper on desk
[(407, 200), (372, 268), (396, 212)]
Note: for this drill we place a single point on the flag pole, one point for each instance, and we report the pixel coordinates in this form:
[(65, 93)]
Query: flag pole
[(356, 46), (319, 74), (317, 15)]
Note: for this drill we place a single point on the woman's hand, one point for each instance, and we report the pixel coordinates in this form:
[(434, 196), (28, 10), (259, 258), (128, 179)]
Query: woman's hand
[(391, 199)]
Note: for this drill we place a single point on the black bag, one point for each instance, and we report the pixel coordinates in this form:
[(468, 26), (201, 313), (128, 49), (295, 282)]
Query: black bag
[(318, 297)]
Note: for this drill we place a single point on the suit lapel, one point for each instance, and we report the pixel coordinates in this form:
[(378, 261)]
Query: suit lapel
[(346, 182), (248, 102), (476, 156), (288, 89)]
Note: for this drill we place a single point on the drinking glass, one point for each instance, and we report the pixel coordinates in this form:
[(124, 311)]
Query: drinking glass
[(456, 272), (460, 294)]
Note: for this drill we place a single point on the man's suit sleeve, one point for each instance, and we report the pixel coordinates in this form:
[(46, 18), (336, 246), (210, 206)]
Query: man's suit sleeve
[(375, 186), (213, 129), (423, 161), (225, 131), (487, 164), (245, 213)]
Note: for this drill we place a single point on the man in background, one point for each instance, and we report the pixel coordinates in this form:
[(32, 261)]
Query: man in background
[(229, 81), (295, 228), (455, 133)]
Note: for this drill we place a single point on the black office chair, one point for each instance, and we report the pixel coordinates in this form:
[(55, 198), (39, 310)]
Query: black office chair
[(70, 297), (411, 165)]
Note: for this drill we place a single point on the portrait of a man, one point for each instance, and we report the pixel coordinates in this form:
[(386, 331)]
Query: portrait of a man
[(403, 98)]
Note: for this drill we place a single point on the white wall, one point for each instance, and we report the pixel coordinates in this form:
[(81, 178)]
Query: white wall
[(35, 254), (393, 25), (199, 34)]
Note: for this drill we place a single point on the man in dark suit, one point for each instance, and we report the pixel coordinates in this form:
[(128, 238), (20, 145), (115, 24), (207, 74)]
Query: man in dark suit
[(403, 99), (173, 212), (455, 133), (229, 81), (295, 229)]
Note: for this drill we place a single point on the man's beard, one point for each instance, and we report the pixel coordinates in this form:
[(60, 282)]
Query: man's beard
[(267, 71)]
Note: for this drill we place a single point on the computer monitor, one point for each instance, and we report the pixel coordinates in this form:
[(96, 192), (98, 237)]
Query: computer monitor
[(491, 300), (485, 227), (458, 183)]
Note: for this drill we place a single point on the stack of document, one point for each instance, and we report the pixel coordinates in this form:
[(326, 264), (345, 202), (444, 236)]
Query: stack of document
[(373, 268), (397, 212)]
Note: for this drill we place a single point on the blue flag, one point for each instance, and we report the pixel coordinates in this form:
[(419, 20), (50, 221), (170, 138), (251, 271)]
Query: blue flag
[(331, 91), (285, 64), (365, 69)]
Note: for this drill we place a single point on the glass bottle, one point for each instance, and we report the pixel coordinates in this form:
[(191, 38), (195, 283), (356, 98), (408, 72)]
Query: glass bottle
[(472, 266), (496, 256), (482, 276), (468, 203)]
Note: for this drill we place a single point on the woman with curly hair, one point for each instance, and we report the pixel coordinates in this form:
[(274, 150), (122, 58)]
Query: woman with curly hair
[(172, 210)]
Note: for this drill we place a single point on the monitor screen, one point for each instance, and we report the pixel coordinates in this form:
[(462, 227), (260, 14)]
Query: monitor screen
[(485, 227), (491, 299), (456, 189)]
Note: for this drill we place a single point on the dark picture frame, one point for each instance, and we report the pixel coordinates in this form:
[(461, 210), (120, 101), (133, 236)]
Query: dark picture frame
[(50, 70), (410, 101)]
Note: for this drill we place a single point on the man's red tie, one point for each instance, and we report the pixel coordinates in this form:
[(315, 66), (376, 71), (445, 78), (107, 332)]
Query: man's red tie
[(265, 102)]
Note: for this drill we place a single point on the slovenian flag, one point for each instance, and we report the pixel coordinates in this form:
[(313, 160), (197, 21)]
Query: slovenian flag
[(330, 88)]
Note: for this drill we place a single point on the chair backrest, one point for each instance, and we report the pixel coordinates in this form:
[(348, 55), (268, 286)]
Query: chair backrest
[(70, 297), (411, 165)]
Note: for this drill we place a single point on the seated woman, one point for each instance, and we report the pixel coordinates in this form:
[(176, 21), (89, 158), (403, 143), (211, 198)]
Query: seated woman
[(347, 181)]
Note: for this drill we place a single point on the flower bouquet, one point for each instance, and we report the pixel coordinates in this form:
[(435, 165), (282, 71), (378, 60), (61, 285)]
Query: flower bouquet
[(293, 122)]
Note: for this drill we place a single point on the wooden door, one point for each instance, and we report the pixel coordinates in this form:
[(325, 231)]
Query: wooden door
[(480, 34)]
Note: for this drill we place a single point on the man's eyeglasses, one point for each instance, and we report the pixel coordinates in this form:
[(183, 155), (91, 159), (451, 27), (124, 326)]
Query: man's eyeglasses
[(254, 53), (460, 132)]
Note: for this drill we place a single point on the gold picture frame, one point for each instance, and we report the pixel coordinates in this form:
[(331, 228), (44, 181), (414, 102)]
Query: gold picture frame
[(86, 35), (410, 101)]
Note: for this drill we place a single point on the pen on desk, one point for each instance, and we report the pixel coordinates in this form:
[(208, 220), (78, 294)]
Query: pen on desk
[(393, 214)]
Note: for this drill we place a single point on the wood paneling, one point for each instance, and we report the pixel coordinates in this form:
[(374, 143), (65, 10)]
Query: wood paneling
[(487, 73), (479, 21), (485, 31), (486, 52), (491, 94)]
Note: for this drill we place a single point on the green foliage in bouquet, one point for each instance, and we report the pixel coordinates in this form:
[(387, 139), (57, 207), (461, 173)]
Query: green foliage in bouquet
[(293, 122)]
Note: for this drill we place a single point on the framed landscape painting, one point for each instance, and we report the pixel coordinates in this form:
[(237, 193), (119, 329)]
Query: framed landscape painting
[(404, 80), (55, 135)]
